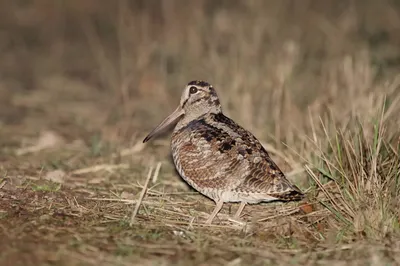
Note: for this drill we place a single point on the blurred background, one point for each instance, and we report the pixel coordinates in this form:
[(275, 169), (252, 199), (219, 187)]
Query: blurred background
[(83, 81), (116, 68)]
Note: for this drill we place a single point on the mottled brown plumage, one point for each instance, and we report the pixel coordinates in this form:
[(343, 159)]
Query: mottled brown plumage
[(219, 158)]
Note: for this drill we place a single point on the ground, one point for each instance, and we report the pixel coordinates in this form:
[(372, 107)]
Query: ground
[(82, 83)]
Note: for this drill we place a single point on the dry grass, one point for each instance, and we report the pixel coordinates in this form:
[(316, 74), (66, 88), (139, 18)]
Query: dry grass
[(83, 82)]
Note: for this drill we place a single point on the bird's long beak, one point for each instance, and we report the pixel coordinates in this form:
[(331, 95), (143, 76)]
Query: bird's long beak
[(167, 121)]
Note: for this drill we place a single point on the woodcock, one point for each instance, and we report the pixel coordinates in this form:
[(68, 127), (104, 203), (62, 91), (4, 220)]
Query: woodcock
[(219, 158)]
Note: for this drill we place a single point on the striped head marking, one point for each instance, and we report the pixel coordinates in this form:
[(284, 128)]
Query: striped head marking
[(199, 97)]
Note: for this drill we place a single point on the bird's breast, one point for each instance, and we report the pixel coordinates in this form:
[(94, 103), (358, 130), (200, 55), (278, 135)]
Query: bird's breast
[(201, 162)]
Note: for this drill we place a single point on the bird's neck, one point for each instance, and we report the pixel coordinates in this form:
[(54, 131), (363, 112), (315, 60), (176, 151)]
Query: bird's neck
[(195, 115)]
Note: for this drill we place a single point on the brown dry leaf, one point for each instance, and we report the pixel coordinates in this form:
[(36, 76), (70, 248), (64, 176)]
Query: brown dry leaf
[(57, 176), (306, 208), (97, 180), (321, 226), (127, 195), (47, 139)]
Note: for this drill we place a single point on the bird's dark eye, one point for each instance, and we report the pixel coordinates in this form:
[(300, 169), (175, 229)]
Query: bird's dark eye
[(193, 90)]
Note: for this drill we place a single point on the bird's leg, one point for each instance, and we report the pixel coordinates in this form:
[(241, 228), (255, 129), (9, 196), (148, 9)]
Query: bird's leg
[(215, 211), (240, 209)]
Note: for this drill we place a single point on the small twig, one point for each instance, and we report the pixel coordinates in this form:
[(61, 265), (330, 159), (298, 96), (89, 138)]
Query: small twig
[(96, 168), (156, 172), (2, 184), (296, 210), (127, 201), (138, 147), (135, 211)]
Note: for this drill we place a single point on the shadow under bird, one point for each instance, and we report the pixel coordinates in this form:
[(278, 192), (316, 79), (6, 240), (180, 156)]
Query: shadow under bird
[(219, 158)]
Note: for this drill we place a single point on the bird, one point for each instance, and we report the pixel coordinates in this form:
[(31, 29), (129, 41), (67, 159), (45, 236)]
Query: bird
[(219, 158)]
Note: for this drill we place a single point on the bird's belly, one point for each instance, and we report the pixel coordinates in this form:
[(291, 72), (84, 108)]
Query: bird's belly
[(197, 178)]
